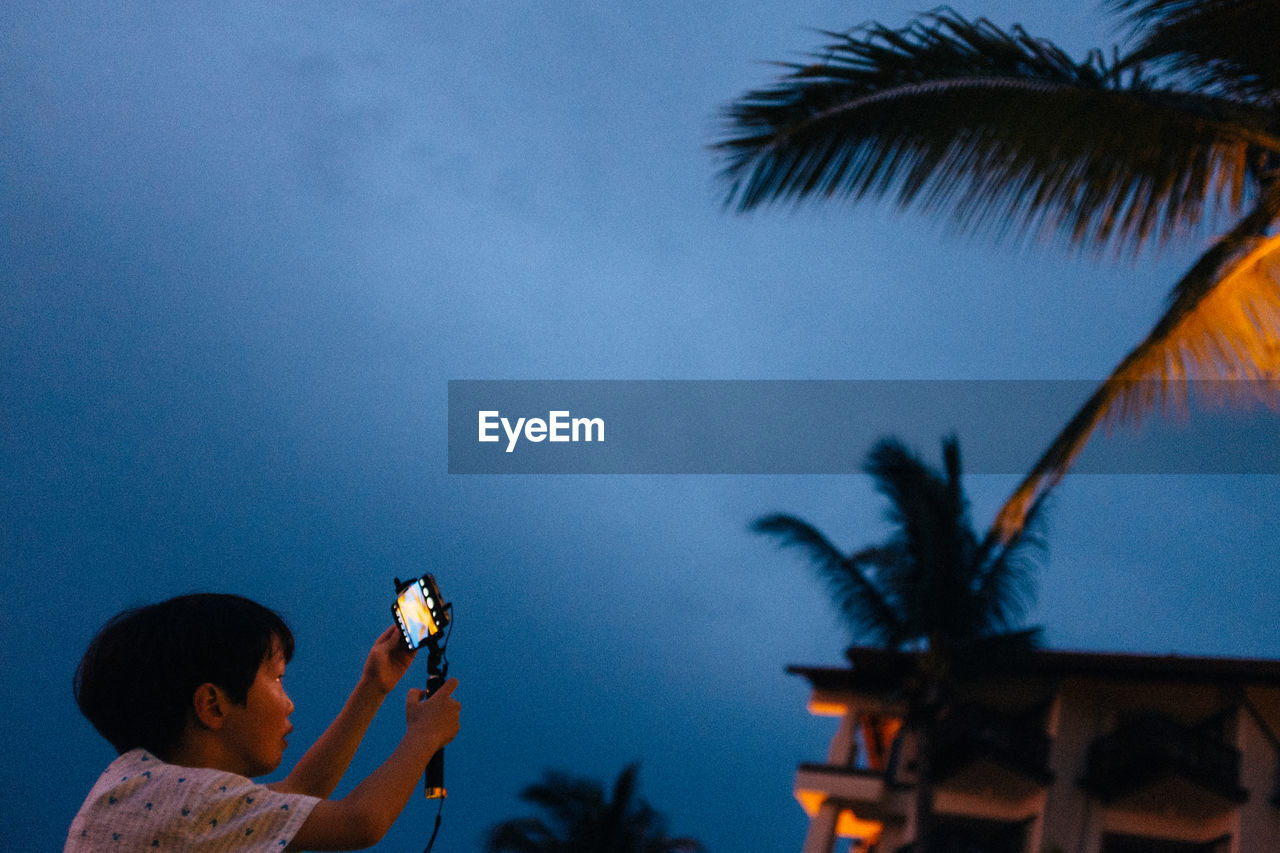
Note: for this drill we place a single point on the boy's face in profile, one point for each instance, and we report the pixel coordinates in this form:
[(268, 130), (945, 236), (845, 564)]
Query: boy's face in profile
[(254, 734)]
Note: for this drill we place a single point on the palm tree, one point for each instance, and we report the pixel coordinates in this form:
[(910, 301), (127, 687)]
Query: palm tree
[(934, 587), (1000, 131), (582, 820)]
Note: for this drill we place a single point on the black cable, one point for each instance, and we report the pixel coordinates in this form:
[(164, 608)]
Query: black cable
[(436, 828)]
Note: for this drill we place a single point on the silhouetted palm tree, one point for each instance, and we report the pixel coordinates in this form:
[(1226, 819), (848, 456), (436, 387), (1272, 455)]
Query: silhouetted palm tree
[(998, 130), (933, 587), (581, 820)]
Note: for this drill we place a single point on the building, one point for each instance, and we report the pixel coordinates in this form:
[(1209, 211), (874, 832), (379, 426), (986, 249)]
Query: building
[(1071, 753)]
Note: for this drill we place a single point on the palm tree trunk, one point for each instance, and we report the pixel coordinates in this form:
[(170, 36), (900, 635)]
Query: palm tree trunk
[(924, 788)]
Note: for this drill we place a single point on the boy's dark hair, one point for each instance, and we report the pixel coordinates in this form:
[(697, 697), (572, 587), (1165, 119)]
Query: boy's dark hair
[(136, 679)]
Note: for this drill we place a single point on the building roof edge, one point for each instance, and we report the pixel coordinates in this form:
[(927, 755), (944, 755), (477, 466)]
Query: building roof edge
[(880, 663)]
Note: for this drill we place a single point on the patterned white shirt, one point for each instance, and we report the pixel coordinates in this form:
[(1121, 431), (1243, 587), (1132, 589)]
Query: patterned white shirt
[(140, 803)]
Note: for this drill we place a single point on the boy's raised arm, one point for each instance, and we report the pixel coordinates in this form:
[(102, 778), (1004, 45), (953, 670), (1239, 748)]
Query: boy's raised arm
[(363, 817), (318, 772)]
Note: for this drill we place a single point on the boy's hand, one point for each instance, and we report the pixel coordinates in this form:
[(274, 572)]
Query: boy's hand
[(434, 717), (387, 662)]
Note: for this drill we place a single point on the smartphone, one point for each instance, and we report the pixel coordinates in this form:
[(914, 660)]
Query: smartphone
[(419, 611)]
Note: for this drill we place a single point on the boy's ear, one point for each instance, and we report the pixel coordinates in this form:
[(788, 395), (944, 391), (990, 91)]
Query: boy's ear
[(209, 705)]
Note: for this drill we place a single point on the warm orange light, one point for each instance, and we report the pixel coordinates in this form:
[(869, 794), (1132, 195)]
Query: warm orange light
[(810, 801), (877, 735), (848, 825), (827, 708)]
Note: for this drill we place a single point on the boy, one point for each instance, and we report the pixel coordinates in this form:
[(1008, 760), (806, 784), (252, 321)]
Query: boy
[(190, 693)]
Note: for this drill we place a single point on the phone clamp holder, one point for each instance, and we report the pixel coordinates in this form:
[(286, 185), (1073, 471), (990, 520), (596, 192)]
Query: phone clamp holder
[(437, 665)]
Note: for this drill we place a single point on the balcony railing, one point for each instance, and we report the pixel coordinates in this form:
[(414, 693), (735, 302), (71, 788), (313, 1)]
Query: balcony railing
[(842, 783), (866, 792), (1153, 747), (972, 732)]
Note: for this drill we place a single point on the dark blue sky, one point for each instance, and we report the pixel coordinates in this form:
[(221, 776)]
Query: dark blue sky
[(246, 245)]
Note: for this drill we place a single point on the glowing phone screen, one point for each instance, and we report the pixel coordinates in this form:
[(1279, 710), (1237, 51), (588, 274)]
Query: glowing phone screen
[(413, 609)]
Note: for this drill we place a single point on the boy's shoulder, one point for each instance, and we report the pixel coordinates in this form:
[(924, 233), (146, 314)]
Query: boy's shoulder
[(142, 802), (139, 773)]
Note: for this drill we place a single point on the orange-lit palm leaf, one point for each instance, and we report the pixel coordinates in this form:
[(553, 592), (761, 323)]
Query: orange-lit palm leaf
[(1223, 324)]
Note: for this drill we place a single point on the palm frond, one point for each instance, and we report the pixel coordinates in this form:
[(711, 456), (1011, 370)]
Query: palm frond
[(995, 130), (625, 786), (859, 600), (1213, 44), (870, 607), (952, 467), (793, 532), (520, 835), (932, 585), (566, 799), (1223, 325), (584, 821), (922, 501), (1006, 586), (930, 514), (623, 815)]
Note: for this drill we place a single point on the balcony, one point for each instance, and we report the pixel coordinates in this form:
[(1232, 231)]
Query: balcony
[(1153, 763), (865, 792), (1006, 755)]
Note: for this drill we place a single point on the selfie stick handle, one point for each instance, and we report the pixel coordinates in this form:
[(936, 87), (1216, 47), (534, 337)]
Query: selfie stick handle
[(435, 768)]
